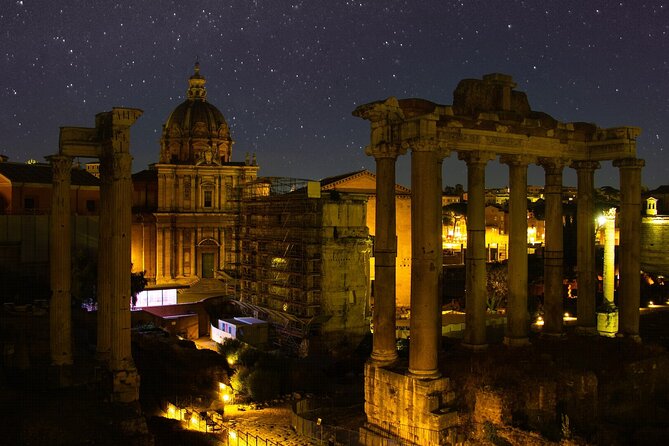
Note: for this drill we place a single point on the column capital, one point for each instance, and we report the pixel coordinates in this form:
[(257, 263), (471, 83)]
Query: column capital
[(551, 164), (585, 165), (476, 157), (385, 150), (517, 160), (629, 163), (61, 167)]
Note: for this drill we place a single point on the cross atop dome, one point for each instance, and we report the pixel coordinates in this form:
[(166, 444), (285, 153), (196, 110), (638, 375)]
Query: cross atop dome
[(196, 90)]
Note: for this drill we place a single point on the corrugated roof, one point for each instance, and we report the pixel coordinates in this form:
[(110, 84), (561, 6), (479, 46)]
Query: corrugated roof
[(41, 173)]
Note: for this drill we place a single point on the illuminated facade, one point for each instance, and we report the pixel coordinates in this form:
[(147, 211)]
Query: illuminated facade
[(186, 207)]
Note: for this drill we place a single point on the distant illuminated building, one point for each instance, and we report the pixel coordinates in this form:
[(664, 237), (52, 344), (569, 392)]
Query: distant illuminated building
[(186, 207)]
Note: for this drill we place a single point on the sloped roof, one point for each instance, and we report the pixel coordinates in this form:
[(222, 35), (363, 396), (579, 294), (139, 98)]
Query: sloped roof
[(345, 182), (41, 173), (664, 189)]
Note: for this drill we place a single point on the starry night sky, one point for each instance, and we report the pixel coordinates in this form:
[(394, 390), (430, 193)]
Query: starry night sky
[(287, 74)]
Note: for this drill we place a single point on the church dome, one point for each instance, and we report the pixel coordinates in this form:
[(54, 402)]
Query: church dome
[(196, 131)]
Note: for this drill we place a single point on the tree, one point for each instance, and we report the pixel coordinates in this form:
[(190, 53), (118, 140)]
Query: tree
[(137, 284), (497, 286)]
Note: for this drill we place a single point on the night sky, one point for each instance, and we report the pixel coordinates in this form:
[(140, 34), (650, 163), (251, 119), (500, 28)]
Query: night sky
[(288, 74)]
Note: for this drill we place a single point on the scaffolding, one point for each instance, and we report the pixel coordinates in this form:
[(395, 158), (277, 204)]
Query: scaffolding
[(280, 240)]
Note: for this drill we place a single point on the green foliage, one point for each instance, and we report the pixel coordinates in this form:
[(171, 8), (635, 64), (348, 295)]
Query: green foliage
[(259, 375), (264, 384), (137, 284), (497, 286)]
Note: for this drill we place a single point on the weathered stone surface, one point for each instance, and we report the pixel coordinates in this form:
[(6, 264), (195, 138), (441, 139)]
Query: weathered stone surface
[(412, 409)]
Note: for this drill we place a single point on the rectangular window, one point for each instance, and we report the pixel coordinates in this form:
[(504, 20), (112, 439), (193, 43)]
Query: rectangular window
[(207, 199)]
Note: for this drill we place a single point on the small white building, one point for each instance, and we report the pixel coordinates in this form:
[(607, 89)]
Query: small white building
[(250, 330)]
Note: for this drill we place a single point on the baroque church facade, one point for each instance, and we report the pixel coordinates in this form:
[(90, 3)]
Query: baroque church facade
[(186, 206)]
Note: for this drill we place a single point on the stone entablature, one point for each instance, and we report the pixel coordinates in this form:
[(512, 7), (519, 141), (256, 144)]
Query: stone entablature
[(473, 123)]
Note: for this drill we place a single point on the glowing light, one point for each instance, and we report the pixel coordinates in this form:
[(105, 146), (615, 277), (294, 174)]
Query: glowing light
[(226, 397), (650, 303), (233, 435), (567, 315)]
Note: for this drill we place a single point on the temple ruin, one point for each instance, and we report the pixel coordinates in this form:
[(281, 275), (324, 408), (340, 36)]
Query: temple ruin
[(109, 141), (488, 118)]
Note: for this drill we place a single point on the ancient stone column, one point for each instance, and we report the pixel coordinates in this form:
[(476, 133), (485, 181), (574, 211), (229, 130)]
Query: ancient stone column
[(125, 378), (475, 261), (103, 349), (609, 273), (426, 260), (630, 246), (517, 322), (384, 349), (585, 246), (60, 313), (553, 252)]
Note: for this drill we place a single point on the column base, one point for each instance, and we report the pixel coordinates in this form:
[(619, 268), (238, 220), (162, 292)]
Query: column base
[(516, 342), (424, 374), (474, 347), (417, 411), (586, 331), (382, 359), (125, 386)]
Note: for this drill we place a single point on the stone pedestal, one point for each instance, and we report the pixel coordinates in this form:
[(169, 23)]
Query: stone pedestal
[(399, 406), (607, 324), (125, 385)]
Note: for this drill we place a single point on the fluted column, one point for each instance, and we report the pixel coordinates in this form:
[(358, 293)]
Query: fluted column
[(60, 313), (475, 261), (630, 245), (125, 379), (103, 348), (426, 253), (554, 250), (585, 246), (517, 317), (384, 349)]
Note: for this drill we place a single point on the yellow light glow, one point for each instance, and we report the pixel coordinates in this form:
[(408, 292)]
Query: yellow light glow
[(226, 397), (567, 315), (650, 303), (601, 220), (232, 434)]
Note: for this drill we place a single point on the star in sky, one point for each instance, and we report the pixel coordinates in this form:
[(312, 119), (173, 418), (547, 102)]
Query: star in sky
[(287, 74)]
